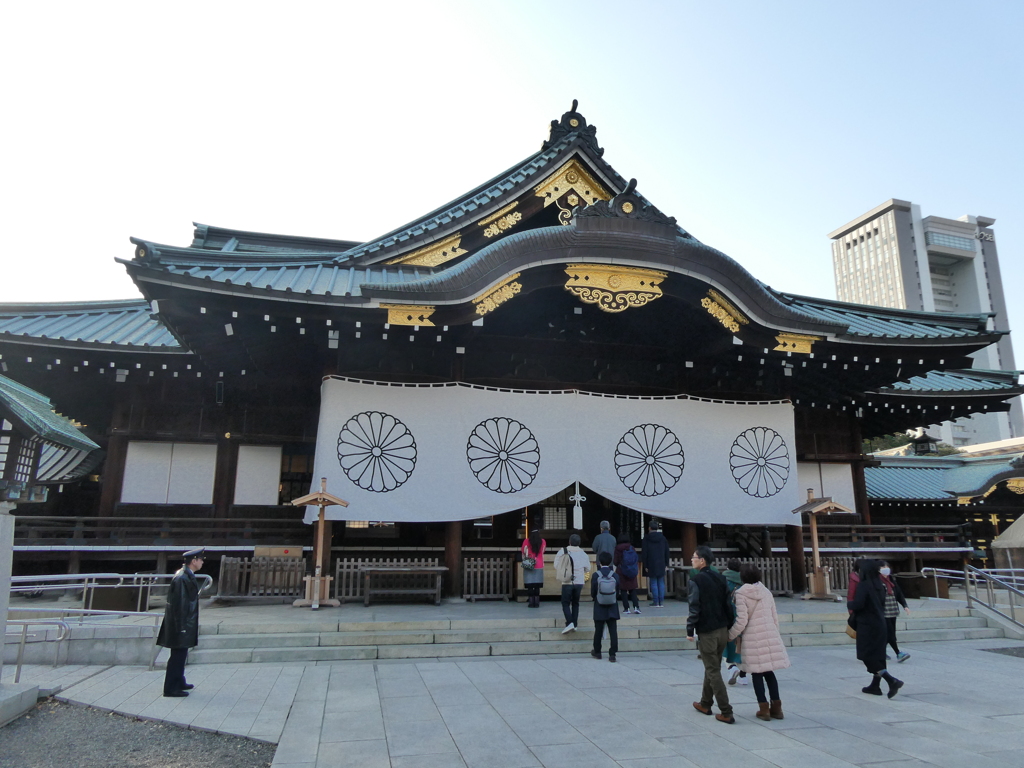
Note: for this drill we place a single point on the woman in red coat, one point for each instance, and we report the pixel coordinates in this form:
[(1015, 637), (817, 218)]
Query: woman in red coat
[(627, 565)]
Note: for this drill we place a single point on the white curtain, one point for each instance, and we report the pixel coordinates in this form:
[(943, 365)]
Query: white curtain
[(457, 452)]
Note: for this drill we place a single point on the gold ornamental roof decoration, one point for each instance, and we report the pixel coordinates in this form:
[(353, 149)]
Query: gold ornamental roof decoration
[(409, 314), (613, 288), (795, 342), (723, 310), (572, 177), (433, 255), (501, 221), (498, 295), (1016, 485)]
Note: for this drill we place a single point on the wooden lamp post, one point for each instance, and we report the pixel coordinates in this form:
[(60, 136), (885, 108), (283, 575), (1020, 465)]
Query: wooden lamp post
[(819, 581), (318, 586)]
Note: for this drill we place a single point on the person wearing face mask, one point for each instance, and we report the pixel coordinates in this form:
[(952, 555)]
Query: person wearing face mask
[(894, 598), (868, 606)]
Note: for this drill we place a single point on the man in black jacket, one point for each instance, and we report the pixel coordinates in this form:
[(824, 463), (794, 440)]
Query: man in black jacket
[(180, 628), (655, 557), (710, 619)]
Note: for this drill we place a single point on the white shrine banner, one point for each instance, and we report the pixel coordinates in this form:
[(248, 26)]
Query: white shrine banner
[(417, 453)]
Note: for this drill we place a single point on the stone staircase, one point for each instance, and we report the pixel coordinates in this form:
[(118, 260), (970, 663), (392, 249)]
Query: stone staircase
[(312, 641)]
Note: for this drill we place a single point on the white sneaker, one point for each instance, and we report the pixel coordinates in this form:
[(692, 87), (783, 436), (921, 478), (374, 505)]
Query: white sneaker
[(636, 610), (744, 681), (734, 672), (570, 627)]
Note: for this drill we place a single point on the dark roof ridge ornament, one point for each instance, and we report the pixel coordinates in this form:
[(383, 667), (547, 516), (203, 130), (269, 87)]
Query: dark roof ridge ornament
[(573, 122), (628, 205)]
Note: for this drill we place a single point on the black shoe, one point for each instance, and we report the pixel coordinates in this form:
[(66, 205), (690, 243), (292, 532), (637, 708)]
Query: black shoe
[(176, 695), (596, 654), (894, 685), (874, 689), (611, 657), (187, 687)]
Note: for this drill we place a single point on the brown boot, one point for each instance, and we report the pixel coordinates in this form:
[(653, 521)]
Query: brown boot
[(776, 709), (762, 711)]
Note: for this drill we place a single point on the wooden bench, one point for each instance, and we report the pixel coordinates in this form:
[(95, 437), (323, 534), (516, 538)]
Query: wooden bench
[(369, 572)]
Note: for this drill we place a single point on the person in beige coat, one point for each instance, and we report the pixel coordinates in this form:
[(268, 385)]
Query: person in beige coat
[(757, 626)]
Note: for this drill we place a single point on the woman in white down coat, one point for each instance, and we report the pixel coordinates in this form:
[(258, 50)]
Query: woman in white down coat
[(761, 645)]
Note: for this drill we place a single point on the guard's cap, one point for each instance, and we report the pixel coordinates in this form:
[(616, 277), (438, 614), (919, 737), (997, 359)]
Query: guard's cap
[(192, 554)]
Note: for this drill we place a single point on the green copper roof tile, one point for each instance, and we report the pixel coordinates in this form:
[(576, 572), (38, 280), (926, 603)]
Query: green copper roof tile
[(34, 410)]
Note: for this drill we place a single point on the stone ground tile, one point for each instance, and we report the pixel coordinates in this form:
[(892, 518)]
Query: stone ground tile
[(964, 737), (367, 725), (1009, 759), (518, 704), (401, 686), (457, 695), (751, 734), (628, 743), (573, 756), (410, 709), (342, 698), (544, 730), (429, 761), (801, 757), (354, 754), (676, 761), (853, 748), (711, 751), (418, 738)]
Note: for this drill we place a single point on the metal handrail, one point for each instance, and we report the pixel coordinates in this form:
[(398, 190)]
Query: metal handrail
[(82, 614), (86, 581), (64, 629), (974, 575)]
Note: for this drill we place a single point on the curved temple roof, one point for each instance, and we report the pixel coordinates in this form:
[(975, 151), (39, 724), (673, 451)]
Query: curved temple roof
[(121, 324)]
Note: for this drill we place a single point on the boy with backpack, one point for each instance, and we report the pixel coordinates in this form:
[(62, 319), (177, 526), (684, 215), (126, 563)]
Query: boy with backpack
[(571, 568), (604, 588)]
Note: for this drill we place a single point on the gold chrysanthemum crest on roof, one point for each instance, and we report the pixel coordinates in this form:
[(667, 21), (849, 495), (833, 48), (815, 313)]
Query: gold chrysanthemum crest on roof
[(501, 221), (613, 288), (434, 254), (409, 314), (575, 180), (498, 295), (723, 310)]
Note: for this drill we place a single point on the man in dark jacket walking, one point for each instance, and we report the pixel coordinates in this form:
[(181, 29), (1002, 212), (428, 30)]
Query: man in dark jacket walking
[(180, 628), (710, 619), (655, 559)]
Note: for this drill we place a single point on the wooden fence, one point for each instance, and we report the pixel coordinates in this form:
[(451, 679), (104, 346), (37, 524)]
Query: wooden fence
[(841, 566), (776, 574), (262, 577), (348, 581), (488, 578)]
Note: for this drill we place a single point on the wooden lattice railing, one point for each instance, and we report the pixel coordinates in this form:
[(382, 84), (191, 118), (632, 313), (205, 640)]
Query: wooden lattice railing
[(263, 577), (348, 582), (776, 573), (488, 578)]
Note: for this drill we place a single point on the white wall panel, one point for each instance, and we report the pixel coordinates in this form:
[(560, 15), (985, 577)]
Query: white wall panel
[(258, 475), (193, 466), (835, 480), (147, 470)]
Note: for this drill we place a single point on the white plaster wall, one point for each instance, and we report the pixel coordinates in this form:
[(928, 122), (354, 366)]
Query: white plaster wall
[(258, 475), (835, 480)]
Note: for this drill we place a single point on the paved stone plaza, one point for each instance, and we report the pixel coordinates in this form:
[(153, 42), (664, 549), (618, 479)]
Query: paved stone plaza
[(961, 707)]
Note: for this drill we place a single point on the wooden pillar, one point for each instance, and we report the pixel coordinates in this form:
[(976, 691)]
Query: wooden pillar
[(689, 540), (860, 493), (112, 475), (453, 558), (325, 553), (795, 543), (74, 568), (161, 562), (224, 477)]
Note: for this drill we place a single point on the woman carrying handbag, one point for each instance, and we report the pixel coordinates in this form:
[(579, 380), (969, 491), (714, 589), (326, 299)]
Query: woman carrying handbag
[(533, 568)]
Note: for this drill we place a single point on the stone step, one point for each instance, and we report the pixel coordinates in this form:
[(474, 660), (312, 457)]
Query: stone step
[(790, 622)]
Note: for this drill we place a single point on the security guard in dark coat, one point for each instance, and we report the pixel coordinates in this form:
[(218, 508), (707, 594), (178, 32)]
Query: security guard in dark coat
[(180, 628)]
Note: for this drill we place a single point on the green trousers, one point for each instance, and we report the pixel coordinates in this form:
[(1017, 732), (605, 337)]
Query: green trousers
[(710, 647)]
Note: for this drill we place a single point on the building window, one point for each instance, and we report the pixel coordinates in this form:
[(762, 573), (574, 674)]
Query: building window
[(949, 241)]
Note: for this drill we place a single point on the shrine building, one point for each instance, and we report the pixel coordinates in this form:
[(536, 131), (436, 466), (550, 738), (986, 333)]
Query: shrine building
[(456, 378)]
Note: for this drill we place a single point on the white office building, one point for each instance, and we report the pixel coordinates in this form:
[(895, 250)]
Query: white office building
[(892, 256)]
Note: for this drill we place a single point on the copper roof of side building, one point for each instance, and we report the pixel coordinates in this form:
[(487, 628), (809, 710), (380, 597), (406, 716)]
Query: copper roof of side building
[(126, 324)]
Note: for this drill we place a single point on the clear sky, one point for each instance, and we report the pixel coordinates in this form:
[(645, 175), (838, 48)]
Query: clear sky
[(760, 126)]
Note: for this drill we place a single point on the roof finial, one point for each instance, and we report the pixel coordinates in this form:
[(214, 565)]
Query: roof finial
[(573, 122)]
